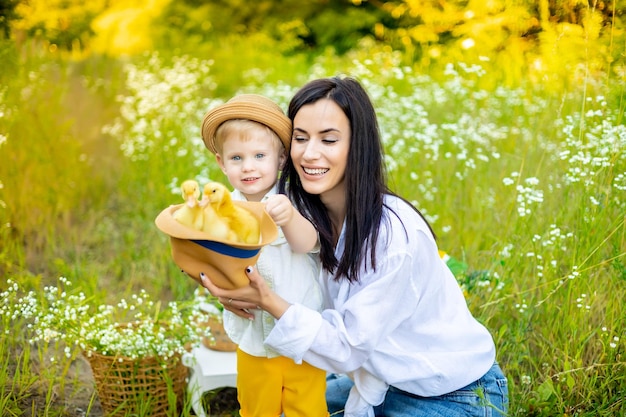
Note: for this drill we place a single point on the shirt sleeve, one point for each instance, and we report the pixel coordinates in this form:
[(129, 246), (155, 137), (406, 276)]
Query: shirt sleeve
[(291, 339), (341, 339)]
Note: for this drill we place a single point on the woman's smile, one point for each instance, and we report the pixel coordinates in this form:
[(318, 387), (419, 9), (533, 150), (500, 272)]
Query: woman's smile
[(314, 171)]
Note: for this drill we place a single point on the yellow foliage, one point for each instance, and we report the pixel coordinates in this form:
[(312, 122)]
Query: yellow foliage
[(121, 26), (125, 27), (592, 22), (423, 34), (54, 15), (61, 22), (398, 11), (482, 7)]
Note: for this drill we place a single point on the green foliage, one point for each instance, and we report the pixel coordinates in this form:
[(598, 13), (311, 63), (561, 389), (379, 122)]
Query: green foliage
[(293, 26), (9, 59), (7, 15), (51, 160), (524, 186), (358, 22), (63, 23), (557, 41)]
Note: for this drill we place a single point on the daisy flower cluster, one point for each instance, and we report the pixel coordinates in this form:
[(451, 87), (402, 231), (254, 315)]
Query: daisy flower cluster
[(135, 328), (160, 97)]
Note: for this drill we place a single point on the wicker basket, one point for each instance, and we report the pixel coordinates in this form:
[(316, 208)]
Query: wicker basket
[(145, 387), (219, 340)]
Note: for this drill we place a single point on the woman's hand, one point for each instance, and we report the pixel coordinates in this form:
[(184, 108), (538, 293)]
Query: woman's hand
[(238, 307), (241, 300)]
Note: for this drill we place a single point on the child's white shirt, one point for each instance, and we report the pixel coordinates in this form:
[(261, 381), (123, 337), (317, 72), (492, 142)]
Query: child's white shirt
[(291, 275)]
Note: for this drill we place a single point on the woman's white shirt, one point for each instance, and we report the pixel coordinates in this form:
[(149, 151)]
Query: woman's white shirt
[(406, 324), (293, 276)]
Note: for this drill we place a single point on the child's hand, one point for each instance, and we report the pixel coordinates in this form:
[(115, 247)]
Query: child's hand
[(299, 232), (280, 209)]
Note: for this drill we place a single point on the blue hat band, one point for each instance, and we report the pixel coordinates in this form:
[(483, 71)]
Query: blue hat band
[(224, 249)]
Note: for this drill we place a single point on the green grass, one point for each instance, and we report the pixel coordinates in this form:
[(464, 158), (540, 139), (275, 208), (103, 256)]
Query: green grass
[(525, 185)]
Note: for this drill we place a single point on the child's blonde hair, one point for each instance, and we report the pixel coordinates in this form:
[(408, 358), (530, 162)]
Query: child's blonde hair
[(243, 127)]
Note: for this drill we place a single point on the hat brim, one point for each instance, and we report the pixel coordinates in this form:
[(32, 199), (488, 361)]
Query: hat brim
[(248, 107), (223, 261)]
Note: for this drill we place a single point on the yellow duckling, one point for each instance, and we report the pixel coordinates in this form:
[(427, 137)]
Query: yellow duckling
[(243, 223), (190, 214), (213, 224)]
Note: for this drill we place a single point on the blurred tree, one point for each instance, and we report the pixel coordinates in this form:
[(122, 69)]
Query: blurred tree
[(433, 21), (340, 25), (109, 26), (126, 26), (544, 37), (64, 23), (551, 35), (515, 33), (7, 14), (298, 25)]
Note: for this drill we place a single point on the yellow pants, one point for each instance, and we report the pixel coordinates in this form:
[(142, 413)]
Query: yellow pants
[(269, 387)]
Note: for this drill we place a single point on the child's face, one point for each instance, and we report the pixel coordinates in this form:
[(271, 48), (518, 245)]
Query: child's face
[(251, 162)]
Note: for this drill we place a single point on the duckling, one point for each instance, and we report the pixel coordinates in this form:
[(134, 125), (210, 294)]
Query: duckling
[(213, 224), (190, 214), (242, 222)]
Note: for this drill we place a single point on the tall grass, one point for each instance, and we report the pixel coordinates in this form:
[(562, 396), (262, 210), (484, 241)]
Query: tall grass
[(526, 186)]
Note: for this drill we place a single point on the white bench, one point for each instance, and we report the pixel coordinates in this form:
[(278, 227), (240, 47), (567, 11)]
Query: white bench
[(208, 370)]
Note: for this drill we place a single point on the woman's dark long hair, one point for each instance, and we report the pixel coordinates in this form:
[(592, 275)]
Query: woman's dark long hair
[(365, 178)]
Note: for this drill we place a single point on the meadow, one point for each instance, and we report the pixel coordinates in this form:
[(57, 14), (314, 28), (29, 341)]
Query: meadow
[(524, 184)]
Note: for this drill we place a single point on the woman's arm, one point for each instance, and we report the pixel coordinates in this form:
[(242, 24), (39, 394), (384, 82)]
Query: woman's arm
[(255, 295), (299, 232)]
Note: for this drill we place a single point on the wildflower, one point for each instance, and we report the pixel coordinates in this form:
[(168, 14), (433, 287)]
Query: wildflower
[(136, 329), (506, 251), (521, 307)]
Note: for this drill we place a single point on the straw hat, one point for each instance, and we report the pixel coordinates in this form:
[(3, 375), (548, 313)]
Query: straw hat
[(222, 261), (250, 107)]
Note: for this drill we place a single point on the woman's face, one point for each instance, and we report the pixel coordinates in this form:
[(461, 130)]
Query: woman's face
[(319, 149)]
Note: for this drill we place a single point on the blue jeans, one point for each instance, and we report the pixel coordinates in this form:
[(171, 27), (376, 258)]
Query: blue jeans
[(487, 397)]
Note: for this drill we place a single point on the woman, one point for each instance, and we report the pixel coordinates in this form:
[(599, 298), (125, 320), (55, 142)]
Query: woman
[(396, 333)]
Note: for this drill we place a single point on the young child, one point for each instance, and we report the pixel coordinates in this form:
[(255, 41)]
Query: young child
[(250, 137)]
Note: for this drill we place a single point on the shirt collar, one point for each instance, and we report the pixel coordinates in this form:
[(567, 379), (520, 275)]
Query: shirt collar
[(238, 195)]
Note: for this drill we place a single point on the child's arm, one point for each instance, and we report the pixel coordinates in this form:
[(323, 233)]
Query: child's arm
[(299, 232)]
